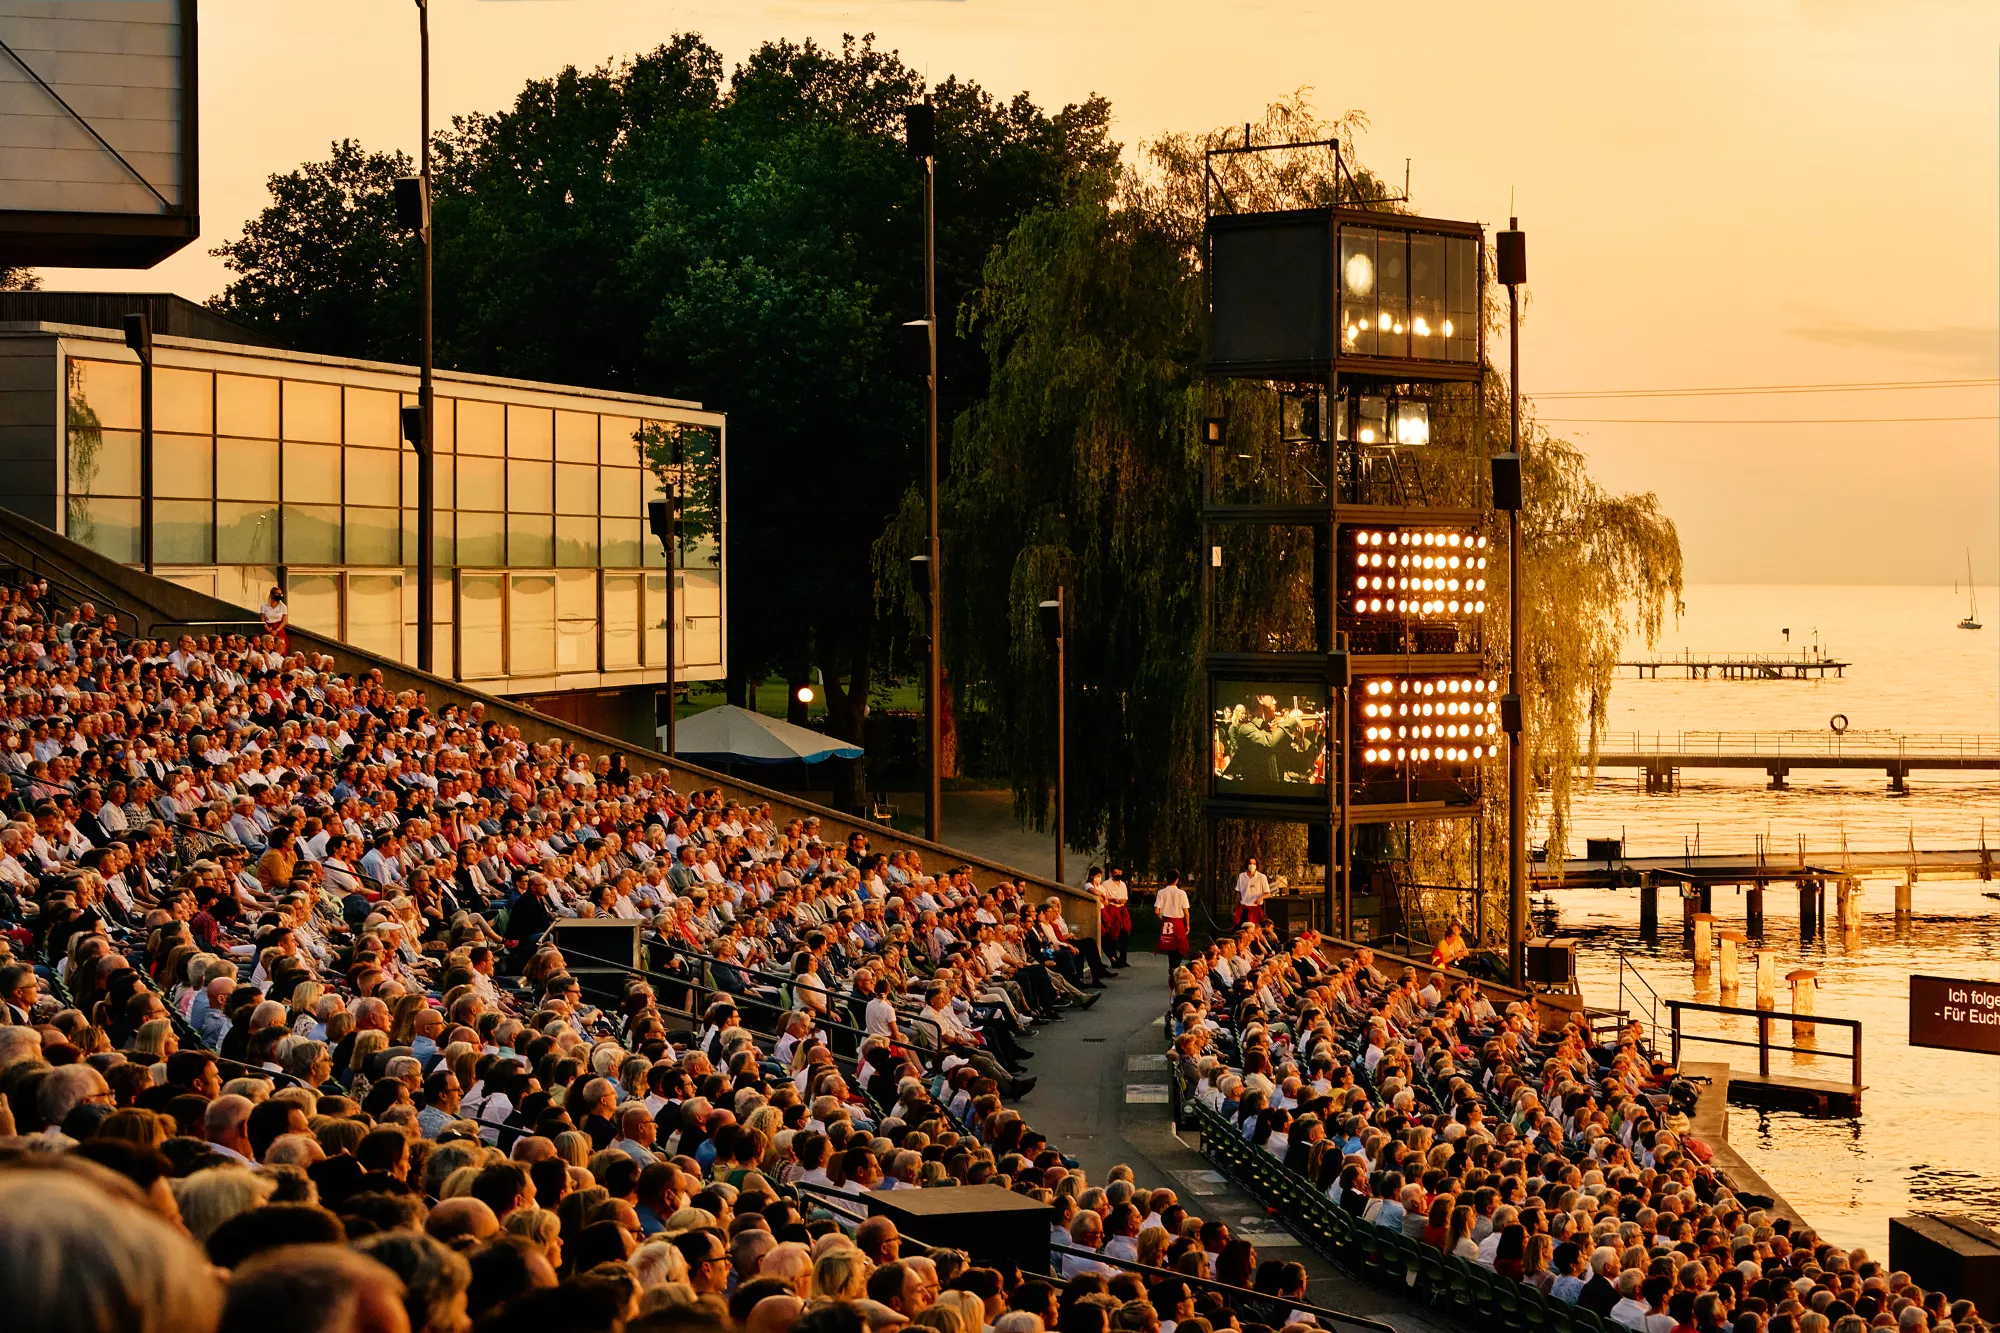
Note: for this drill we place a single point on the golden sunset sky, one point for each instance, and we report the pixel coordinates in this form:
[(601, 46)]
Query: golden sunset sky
[(1716, 193)]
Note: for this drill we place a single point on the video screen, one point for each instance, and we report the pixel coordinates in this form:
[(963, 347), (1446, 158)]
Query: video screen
[(1269, 738)]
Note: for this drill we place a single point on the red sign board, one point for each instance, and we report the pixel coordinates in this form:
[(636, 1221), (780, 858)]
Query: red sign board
[(1955, 1015)]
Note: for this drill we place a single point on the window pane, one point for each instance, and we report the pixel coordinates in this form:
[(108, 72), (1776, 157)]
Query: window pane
[(482, 539), (183, 532), (576, 621), (246, 534), (1427, 291), (576, 542), (617, 442), (312, 534), (184, 465), (103, 462), (656, 620), (312, 472), (576, 489), (1360, 283), (314, 600), (442, 545), (482, 483), (104, 394), (374, 537), (576, 437), (701, 641), (481, 428), (375, 613), (621, 621), (622, 541), (531, 625), (373, 475), (312, 411), (479, 642), (531, 488), (576, 595), (108, 527), (530, 432), (531, 540), (1462, 298), (246, 469), (183, 401), (246, 405), (621, 492), (441, 426), (701, 593), (372, 420), (1392, 268)]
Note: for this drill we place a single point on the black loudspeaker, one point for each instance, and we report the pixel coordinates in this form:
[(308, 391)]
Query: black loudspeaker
[(1951, 1253), (990, 1224), (1550, 962), (1510, 714), (413, 205), (1507, 482), (1319, 838), (413, 427), (920, 129), (1339, 674), (1510, 257)]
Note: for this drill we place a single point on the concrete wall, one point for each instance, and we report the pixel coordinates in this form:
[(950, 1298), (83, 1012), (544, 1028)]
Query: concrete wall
[(157, 603)]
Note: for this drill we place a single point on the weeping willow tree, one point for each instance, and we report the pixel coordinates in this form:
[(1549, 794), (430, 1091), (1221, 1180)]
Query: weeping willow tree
[(1081, 467)]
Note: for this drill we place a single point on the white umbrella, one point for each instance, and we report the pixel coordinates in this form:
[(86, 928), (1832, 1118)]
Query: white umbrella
[(736, 735)]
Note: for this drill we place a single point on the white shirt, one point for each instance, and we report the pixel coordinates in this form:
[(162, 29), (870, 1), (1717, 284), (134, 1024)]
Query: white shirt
[(1252, 887), (1171, 902)]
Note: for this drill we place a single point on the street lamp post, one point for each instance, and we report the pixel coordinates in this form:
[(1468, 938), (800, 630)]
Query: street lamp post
[(1512, 263), (413, 213), (139, 337), (920, 138), (664, 518), (1052, 632)]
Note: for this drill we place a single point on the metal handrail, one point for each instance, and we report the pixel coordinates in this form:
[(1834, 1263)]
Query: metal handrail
[(1157, 1275), (1802, 744), (783, 978), (1763, 1045), (1652, 997)]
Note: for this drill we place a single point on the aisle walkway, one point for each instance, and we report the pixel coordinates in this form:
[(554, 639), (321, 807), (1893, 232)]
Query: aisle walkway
[(1103, 1099)]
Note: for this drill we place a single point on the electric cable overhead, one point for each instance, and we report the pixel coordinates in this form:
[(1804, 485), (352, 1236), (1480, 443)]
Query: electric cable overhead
[(1721, 391), (1756, 421)]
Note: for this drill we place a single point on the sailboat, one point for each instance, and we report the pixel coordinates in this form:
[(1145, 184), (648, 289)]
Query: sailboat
[(1971, 620)]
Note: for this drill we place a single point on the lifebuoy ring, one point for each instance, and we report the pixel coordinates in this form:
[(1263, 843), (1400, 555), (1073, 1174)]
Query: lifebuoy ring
[(1838, 722)]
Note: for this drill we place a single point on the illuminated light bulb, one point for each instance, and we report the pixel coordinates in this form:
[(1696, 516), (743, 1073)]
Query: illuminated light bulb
[(1402, 733), (1375, 604), (1453, 562), (1480, 585), (1368, 435), (1422, 327), (1374, 687), (1429, 688), (1447, 328), (1382, 322), (1398, 327), (1454, 542), (1367, 756), (1482, 562), (1476, 752), (1482, 543), (1360, 273), (1401, 752)]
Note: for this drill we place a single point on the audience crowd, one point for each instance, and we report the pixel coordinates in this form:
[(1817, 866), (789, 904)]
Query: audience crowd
[(287, 1043), (1544, 1154)]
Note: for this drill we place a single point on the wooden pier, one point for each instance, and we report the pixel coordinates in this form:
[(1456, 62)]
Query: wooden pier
[(1762, 866), (1662, 755), (1804, 665)]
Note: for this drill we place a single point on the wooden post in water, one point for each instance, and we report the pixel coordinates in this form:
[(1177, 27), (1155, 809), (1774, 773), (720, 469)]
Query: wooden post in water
[(1805, 987), (1704, 941), (1649, 908), (1810, 891), (1903, 891), (1731, 975), (1753, 911), (1847, 905), (1767, 979)]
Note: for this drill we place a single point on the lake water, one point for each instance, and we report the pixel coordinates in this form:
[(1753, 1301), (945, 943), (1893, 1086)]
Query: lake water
[(1929, 1134)]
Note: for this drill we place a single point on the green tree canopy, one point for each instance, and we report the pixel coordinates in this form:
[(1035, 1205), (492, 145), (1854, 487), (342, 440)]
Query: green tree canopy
[(750, 241)]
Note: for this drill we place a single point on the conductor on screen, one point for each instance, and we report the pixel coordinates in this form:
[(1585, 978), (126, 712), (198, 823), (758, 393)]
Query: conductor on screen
[(1267, 747)]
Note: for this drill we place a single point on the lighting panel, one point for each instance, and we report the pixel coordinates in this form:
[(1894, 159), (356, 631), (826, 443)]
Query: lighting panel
[(1413, 573), (1424, 721)]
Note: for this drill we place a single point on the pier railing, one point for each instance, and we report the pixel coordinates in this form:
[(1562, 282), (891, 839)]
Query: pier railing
[(1801, 744), (1763, 1045), (1633, 990)]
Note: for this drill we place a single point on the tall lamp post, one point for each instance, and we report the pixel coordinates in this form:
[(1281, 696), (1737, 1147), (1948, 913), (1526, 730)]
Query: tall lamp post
[(1512, 262), (920, 138), (139, 337), (413, 213), (1052, 632)]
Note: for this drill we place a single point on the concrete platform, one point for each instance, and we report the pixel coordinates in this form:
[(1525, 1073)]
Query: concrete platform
[(1710, 1123)]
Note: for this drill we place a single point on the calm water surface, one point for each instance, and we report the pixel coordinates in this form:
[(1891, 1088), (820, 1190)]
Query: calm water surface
[(1929, 1134)]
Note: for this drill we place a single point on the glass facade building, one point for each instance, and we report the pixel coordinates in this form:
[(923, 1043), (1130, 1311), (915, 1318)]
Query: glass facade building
[(273, 467)]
